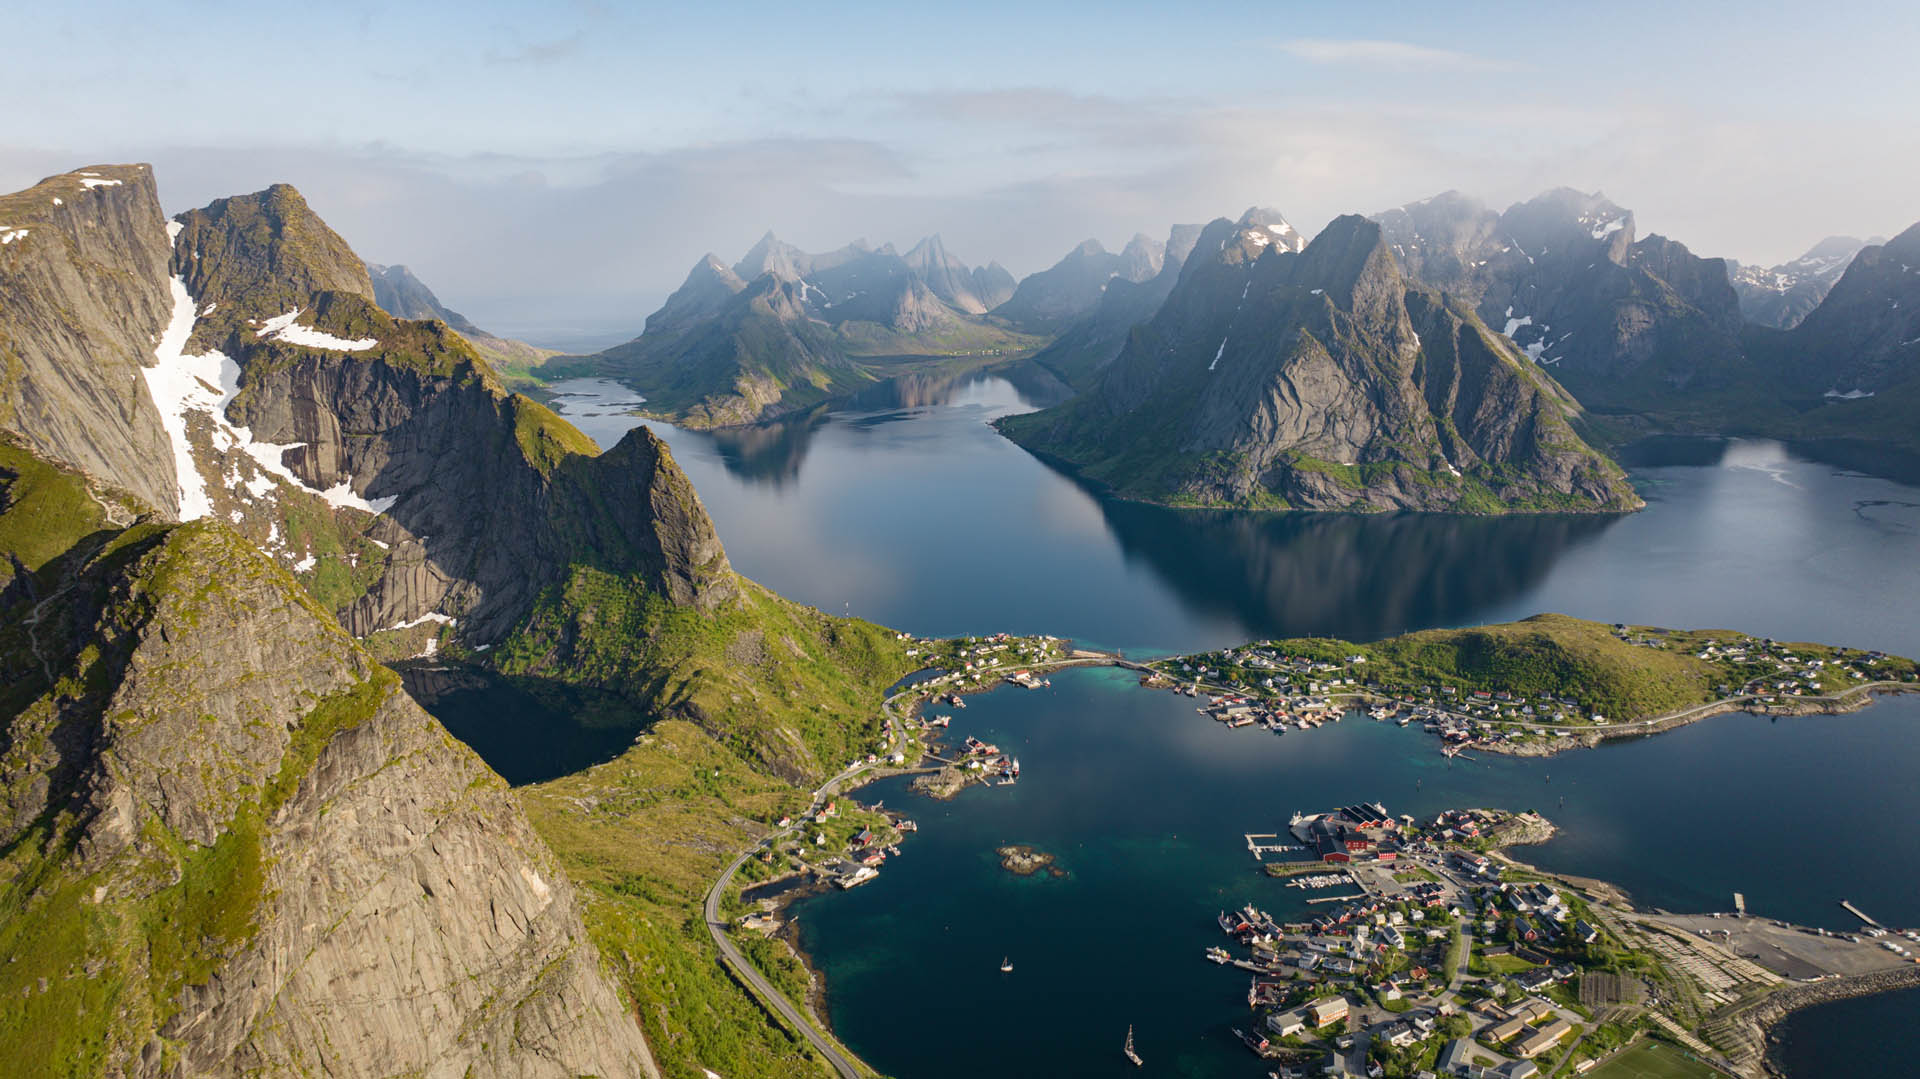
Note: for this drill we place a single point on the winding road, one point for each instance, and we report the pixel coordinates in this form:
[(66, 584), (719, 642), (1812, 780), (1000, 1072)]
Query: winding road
[(772, 998)]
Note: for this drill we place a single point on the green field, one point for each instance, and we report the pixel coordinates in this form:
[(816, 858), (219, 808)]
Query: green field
[(1652, 1060)]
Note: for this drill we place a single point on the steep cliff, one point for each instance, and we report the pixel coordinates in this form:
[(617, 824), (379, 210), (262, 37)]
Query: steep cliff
[(1323, 379), (232, 845), (1778, 297), (1622, 324), (1086, 347), (470, 500), (83, 273)]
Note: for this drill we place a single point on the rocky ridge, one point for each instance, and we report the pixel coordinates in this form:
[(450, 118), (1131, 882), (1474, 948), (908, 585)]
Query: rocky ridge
[(1323, 379), (83, 268), (233, 845)]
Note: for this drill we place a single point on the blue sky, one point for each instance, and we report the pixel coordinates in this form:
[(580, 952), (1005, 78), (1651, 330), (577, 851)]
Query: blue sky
[(566, 163)]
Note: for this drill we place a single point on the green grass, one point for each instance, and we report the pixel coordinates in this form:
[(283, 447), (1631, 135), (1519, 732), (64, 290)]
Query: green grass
[(1652, 1059)]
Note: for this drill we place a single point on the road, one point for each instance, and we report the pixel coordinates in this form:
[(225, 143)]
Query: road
[(768, 995), (717, 927)]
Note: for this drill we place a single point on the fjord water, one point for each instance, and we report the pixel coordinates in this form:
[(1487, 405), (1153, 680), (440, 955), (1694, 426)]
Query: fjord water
[(909, 510), (1145, 803)]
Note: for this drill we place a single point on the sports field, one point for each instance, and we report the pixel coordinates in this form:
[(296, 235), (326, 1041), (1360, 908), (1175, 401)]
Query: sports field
[(1653, 1060)]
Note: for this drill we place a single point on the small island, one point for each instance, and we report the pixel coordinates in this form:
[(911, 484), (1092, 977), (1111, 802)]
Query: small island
[(1024, 861), (1535, 687)]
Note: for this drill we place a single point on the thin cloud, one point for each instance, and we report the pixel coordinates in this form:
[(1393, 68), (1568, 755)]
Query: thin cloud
[(540, 53), (1399, 55)]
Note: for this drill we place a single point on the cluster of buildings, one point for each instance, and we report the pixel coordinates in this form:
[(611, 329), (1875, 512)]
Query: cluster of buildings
[(1364, 831)]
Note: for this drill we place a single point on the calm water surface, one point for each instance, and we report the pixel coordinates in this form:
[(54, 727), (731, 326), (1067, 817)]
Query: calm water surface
[(908, 509)]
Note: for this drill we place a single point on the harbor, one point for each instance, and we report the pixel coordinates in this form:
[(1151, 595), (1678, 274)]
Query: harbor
[(1158, 785)]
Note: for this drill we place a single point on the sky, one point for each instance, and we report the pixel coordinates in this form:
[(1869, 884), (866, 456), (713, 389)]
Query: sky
[(553, 170)]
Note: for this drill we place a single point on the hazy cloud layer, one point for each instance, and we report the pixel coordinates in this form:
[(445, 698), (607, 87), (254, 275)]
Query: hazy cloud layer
[(548, 173)]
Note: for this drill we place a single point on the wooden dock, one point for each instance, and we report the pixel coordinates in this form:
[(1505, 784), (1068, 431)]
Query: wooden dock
[(1338, 898)]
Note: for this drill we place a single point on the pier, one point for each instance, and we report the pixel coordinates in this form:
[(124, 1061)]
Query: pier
[(1259, 849), (1338, 898), (1860, 914)]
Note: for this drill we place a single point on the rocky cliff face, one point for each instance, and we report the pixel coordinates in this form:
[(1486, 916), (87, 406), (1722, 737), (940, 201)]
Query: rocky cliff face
[(1865, 335), (1323, 379), (1618, 322), (1779, 297), (234, 846), (1084, 349), (402, 295), (83, 269)]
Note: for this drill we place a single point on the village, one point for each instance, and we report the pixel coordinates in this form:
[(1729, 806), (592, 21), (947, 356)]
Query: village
[(1281, 690), (1442, 957), (838, 842)]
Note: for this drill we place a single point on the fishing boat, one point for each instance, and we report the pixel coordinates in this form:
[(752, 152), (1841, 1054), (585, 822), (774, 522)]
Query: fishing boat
[(1006, 965), (1131, 1055)]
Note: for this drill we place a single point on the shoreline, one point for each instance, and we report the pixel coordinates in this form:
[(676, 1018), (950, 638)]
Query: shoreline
[(1767, 1014), (1758, 1019)]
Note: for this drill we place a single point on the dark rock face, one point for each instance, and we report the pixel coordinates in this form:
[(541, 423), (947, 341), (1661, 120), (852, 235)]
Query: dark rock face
[(473, 535), (402, 295), (289, 868), (1780, 296), (83, 273), (1078, 355), (1617, 321), (1865, 335), (1322, 379)]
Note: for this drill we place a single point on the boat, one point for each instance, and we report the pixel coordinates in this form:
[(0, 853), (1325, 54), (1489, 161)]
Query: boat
[(1228, 923), (1006, 965), (1131, 1055), (1218, 955), (1015, 770), (1252, 1041)]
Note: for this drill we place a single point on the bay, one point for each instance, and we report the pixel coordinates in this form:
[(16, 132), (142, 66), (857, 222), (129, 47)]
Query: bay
[(907, 508)]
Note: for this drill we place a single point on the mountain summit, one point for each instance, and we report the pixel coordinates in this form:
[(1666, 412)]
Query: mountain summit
[(1322, 378)]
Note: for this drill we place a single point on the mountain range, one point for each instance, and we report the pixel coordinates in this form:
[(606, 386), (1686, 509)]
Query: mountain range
[(782, 330), (1323, 377), (232, 487), (1622, 336)]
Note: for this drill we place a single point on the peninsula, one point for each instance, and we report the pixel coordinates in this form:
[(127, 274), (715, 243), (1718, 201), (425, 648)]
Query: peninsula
[(1535, 687)]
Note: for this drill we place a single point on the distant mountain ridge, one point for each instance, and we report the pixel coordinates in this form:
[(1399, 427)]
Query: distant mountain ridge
[(403, 295), (783, 329), (1322, 378), (1780, 296)]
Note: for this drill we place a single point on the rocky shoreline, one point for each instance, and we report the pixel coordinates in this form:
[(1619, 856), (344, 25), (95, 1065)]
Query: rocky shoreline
[(1024, 861), (1807, 706), (1761, 1020)]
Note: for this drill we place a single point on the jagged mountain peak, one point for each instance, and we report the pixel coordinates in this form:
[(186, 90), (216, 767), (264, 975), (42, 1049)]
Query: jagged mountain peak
[(1180, 242), (402, 294), (1088, 248), (268, 251), (1322, 379), (771, 255), (1261, 216)]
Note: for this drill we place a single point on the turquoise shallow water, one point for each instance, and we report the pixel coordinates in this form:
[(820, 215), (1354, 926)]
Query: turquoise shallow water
[(908, 509)]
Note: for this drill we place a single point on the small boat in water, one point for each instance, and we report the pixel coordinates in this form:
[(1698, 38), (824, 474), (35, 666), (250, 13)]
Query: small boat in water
[(1131, 1055), (1006, 965)]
